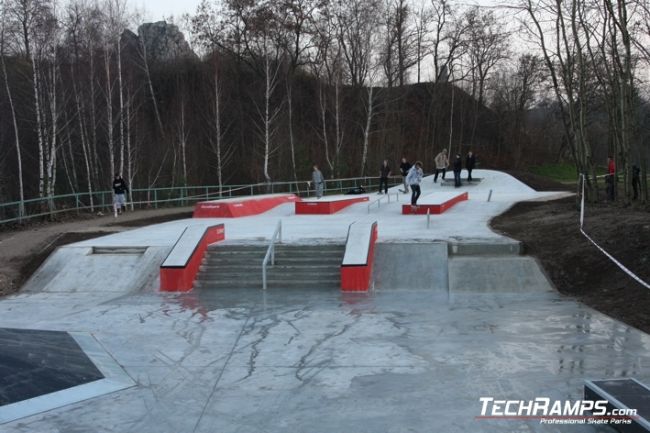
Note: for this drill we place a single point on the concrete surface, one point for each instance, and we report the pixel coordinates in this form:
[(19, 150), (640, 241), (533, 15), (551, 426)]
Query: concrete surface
[(410, 266), (496, 274), (415, 355), (319, 361)]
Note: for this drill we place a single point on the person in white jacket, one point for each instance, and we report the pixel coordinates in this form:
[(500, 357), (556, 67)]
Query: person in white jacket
[(414, 178)]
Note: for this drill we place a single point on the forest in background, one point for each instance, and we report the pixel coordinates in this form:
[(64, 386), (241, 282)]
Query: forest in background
[(267, 88)]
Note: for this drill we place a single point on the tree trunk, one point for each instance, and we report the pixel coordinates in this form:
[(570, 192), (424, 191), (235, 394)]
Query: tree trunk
[(19, 160), (366, 130), (109, 112)]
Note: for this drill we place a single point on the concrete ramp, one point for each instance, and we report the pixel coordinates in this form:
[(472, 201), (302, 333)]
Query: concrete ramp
[(91, 269), (410, 266), (502, 274)]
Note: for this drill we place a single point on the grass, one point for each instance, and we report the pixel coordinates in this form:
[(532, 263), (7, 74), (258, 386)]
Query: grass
[(560, 172)]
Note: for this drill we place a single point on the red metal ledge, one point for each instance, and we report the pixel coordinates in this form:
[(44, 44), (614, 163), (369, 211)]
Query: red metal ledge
[(178, 271), (241, 207), (434, 208), (356, 270), (326, 206)]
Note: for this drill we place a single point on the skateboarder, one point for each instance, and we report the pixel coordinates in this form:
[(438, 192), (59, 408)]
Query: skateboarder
[(458, 166), (384, 173), (318, 180), (404, 168), (119, 194), (414, 178), (442, 162), (470, 162)]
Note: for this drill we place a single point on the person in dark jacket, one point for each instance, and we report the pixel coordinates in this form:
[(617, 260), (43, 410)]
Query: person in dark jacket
[(610, 179), (470, 163), (636, 181), (404, 168), (458, 166), (384, 172), (120, 189)]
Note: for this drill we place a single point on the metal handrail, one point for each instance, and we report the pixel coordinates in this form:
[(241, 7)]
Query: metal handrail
[(270, 252), (378, 201), (153, 197)]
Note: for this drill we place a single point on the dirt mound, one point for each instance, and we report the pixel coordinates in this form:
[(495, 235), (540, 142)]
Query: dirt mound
[(578, 268)]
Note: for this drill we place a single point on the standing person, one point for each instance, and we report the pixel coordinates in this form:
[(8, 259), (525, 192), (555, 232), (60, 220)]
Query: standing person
[(384, 172), (414, 178), (610, 179), (404, 168), (636, 180), (470, 163), (442, 162), (319, 181), (119, 194), (458, 166)]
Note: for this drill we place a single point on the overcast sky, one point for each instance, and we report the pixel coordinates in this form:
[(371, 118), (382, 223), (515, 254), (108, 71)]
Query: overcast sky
[(155, 10)]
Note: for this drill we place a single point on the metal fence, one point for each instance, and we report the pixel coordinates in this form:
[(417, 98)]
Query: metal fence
[(147, 198)]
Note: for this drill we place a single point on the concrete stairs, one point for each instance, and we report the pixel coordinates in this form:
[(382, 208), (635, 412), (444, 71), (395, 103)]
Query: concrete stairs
[(296, 266)]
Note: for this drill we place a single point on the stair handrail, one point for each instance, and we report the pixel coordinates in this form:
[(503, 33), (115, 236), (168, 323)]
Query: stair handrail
[(270, 252)]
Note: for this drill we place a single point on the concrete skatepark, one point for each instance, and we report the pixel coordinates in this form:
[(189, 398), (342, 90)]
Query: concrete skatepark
[(455, 313)]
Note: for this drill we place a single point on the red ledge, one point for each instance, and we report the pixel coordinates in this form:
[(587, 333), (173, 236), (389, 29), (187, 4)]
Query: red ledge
[(326, 207), (357, 278), (180, 277), (235, 208), (434, 208)]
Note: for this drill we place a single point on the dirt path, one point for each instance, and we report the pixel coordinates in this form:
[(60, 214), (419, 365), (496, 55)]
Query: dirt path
[(22, 250)]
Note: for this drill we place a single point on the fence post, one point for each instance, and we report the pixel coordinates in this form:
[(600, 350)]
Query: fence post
[(155, 198), (76, 199)]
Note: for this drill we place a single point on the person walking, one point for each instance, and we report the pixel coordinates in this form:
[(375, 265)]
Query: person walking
[(470, 163), (404, 168), (384, 173), (119, 194), (610, 179), (442, 162), (458, 166), (414, 178), (636, 181), (318, 180)]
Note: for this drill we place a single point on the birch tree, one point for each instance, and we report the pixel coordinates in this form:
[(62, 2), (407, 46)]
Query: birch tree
[(14, 121)]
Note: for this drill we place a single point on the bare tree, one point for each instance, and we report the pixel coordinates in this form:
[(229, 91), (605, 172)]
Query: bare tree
[(486, 45), (19, 160)]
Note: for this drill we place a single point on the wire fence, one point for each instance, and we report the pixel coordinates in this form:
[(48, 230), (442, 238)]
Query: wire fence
[(151, 198)]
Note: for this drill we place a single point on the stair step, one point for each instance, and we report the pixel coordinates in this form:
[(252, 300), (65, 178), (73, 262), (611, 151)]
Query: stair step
[(277, 267), (289, 261), (208, 284)]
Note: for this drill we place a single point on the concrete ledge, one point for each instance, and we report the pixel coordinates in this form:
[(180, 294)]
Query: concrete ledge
[(435, 203), (326, 205), (178, 271), (356, 270), (241, 207), (485, 248)]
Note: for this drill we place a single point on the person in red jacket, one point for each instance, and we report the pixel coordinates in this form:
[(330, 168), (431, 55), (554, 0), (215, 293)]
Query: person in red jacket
[(610, 179)]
